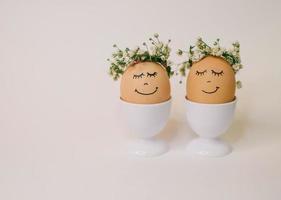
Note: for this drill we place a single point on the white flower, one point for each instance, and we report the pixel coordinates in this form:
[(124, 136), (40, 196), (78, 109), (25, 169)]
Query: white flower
[(179, 52), (197, 51), (199, 41), (235, 52), (215, 51), (143, 57), (236, 44), (167, 49), (219, 53), (236, 67), (160, 44), (131, 53), (115, 62), (238, 84), (120, 54), (197, 57), (216, 43), (153, 50), (208, 49), (141, 51), (187, 64)]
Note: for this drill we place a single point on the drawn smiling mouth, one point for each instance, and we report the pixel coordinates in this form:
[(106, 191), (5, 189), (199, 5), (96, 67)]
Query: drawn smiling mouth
[(146, 93), (212, 91)]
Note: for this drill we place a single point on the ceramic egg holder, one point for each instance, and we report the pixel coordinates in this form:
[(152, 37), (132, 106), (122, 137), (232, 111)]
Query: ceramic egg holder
[(145, 122), (209, 121)]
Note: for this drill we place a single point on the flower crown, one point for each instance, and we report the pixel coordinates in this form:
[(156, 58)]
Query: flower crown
[(201, 50), (157, 52)]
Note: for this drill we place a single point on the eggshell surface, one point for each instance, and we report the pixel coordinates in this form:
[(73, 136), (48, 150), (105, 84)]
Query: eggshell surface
[(211, 81), (145, 83)]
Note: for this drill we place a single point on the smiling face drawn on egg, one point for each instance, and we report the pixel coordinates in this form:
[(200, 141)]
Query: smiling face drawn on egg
[(145, 83), (211, 80)]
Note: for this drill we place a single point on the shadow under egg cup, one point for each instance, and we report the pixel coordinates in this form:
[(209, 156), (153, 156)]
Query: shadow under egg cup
[(209, 121), (145, 122)]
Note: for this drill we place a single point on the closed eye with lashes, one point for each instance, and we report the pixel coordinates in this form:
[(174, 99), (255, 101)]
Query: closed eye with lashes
[(138, 75), (151, 74), (217, 73), (198, 73)]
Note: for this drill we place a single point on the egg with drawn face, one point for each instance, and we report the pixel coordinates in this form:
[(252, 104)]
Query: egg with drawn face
[(211, 81), (145, 83)]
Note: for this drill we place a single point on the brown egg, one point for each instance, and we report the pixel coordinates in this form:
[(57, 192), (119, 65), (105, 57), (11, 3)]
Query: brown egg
[(145, 83), (211, 80)]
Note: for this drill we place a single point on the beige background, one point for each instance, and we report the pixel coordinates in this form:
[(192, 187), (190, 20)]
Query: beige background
[(61, 136)]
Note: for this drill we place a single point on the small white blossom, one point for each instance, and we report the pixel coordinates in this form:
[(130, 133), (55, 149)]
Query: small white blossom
[(131, 53), (179, 52), (153, 50), (220, 52), (160, 44), (114, 62), (216, 51), (199, 41), (237, 66), (187, 65), (198, 57), (143, 57), (141, 51), (238, 84), (236, 44)]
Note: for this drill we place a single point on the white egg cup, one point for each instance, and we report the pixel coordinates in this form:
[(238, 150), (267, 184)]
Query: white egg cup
[(209, 121), (145, 122)]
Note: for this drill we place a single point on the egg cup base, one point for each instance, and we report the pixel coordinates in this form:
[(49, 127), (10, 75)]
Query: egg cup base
[(147, 147), (208, 147)]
